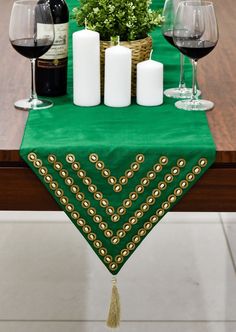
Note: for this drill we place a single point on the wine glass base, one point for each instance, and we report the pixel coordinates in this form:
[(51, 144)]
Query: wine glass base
[(196, 105), (32, 104), (178, 93)]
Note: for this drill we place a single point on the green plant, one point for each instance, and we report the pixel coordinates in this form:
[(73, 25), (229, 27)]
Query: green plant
[(131, 20)]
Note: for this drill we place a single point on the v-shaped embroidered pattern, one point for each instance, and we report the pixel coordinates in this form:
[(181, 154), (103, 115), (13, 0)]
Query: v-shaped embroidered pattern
[(111, 179), (116, 237)]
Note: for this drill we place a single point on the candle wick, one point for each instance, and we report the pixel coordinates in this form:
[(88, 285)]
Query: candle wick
[(150, 57)]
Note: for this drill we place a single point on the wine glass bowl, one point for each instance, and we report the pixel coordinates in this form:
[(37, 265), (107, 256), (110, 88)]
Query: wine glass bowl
[(195, 34), (31, 34)]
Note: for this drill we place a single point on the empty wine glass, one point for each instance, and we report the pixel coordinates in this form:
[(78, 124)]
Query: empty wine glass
[(196, 35), (31, 33), (169, 12)]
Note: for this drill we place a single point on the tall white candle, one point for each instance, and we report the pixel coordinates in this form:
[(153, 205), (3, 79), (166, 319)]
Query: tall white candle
[(86, 68), (150, 83), (117, 91)]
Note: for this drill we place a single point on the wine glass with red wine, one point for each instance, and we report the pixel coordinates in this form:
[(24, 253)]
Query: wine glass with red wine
[(196, 35), (169, 12), (31, 33)]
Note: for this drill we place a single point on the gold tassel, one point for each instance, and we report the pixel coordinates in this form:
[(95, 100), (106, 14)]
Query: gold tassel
[(113, 319)]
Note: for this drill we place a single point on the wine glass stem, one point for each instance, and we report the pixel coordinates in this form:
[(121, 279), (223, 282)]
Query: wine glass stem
[(194, 96), (33, 88), (182, 78)]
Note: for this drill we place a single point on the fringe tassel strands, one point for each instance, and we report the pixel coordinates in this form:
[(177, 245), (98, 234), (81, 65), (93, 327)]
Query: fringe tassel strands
[(113, 320)]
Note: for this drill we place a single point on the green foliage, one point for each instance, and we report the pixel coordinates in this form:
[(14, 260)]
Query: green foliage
[(131, 20)]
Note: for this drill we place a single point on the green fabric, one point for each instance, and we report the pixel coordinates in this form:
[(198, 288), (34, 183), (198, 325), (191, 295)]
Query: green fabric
[(117, 136)]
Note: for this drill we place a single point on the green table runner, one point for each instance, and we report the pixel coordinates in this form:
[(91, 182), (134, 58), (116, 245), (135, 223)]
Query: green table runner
[(117, 171)]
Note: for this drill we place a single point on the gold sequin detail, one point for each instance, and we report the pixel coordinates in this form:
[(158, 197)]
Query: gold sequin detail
[(86, 229), (183, 184), (172, 198), (102, 251), (53, 185), (81, 222), (63, 173), (70, 158), (115, 240), (108, 233), (119, 259), (64, 200), (124, 252), (142, 232), (37, 163), (75, 215), (99, 165), (52, 158), (113, 266), (175, 170), (165, 205), (121, 233), (107, 258), (48, 178), (157, 168), (70, 207), (123, 180), (196, 170), (117, 188), (130, 246), (59, 192), (160, 212), (57, 166), (190, 177), (178, 192), (97, 244), (135, 166), (75, 166), (202, 162), (92, 236), (74, 189), (162, 185), (43, 170), (32, 156), (81, 174), (133, 196), (106, 173), (163, 160), (93, 158), (112, 180), (169, 178), (115, 217), (181, 163), (140, 158), (148, 225), (69, 181)]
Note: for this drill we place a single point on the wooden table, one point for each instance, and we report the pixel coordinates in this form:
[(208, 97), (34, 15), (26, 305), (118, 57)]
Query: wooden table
[(216, 191)]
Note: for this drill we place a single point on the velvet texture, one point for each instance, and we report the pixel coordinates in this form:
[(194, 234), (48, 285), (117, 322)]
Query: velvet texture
[(117, 172)]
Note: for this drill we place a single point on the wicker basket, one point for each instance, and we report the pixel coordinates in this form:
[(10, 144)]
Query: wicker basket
[(141, 50)]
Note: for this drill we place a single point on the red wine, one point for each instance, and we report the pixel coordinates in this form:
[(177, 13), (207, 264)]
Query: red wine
[(169, 37), (195, 49), (31, 48), (51, 68)]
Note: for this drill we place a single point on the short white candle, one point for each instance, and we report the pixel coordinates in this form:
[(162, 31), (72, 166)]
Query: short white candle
[(86, 68), (150, 83), (117, 91)]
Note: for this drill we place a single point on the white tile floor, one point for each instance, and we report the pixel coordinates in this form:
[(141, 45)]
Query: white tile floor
[(182, 278)]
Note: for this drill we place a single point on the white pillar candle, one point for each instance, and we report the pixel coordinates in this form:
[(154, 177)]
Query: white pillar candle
[(117, 91), (150, 83), (86, 68)]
